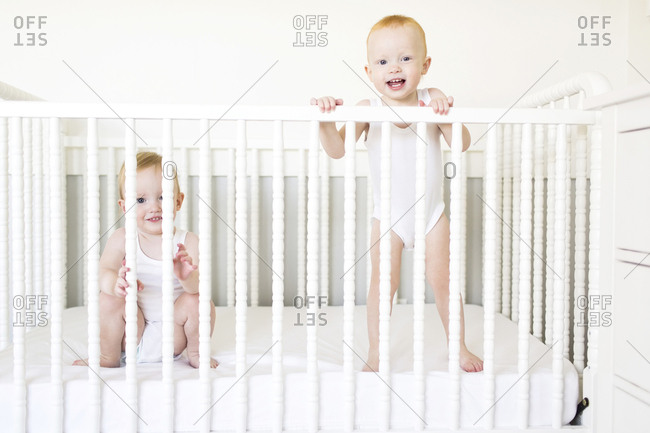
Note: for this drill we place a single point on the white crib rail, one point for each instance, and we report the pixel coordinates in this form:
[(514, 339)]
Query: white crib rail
[(500, 266)]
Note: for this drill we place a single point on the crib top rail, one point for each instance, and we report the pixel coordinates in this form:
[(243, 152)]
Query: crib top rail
[(294, 113)]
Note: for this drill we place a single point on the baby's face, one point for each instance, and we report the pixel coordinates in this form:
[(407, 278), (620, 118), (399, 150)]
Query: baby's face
[(149, 200), (396, 63)]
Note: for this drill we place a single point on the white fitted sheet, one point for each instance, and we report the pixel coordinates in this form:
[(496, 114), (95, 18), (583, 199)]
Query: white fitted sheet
[(330, 356)]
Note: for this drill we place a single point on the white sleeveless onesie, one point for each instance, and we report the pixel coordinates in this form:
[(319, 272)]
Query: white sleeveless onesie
[(403, 175), (150, 300)]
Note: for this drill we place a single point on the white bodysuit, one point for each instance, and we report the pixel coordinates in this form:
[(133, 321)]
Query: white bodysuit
[(150, 300), (403, 174)]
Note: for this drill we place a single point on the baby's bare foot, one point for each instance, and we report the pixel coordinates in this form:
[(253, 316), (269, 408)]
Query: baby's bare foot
[(194, 361), (81, 362), (102, 363), (470, 362)]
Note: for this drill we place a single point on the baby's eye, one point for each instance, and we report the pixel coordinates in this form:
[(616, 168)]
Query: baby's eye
[(382, 62), (140, 200), (406, 58), (160, 198)]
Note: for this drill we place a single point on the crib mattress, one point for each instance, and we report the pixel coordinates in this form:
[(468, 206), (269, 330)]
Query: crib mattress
[(259, 380)]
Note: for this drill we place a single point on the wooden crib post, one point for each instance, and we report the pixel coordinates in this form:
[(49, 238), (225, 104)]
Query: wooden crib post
[(255, 226), (27, 192), (18, 279), (349, 279), (385, 276), (169, 173), (313, 401), (93, 246), (241, 276), (5, 317), (419, 277), (454, 278), (550, 227), (525, 273), (538, 232), (498, 207), (205, 273), (130, 228), (580, 245), (489, 280), (558, 266), (278, 275), (516, 218), (111, 189), (37, 151), (324, 227), (506, 259), (230, 234), (301, 221)]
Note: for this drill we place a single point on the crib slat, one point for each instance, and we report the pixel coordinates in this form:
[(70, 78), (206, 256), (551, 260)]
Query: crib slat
[(312, 277), (550, 226), (27, 192), (560, 257), (241, 275), (183, 179), (454, 278), (595, 175), (169, 174), (385, 275), (205, 272), (37, 146), (111, 189), (489, 280), (419, 271), (130, 228), (4, 234), (516, 218), (369, 212), (255, 224), (47, 207), (230, 234), (18, 278), (92, 198), (525, 272), (302, 224), (324, 227), (506, 258), (580, 253), (538, 232), (498, 206), (349, 279), (57, 268), (278, 274)]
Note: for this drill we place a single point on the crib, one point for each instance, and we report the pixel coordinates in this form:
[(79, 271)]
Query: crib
[(539, 259)]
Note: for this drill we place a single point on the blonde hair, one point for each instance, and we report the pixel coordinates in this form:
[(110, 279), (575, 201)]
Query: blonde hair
[(145, 160), (399, 21)]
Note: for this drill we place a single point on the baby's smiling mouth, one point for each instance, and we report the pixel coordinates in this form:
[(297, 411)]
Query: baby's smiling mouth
[(396, 83), (155, 219)]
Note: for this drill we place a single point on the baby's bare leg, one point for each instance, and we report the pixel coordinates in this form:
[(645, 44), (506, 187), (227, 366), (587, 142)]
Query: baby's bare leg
[(372, 303), (437, 270), (112, 324), (186, 327)]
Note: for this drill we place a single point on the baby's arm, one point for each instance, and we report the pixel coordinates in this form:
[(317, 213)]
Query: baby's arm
[(112, 268), (441, 104), (333, 141), (186, 263)]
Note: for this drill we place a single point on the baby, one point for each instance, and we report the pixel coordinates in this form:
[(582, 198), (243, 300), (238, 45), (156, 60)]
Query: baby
[(112, 277), (397, 60)]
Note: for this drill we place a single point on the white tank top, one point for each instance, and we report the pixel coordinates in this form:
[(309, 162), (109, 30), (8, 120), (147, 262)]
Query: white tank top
[(403, 142), (150, 274)]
